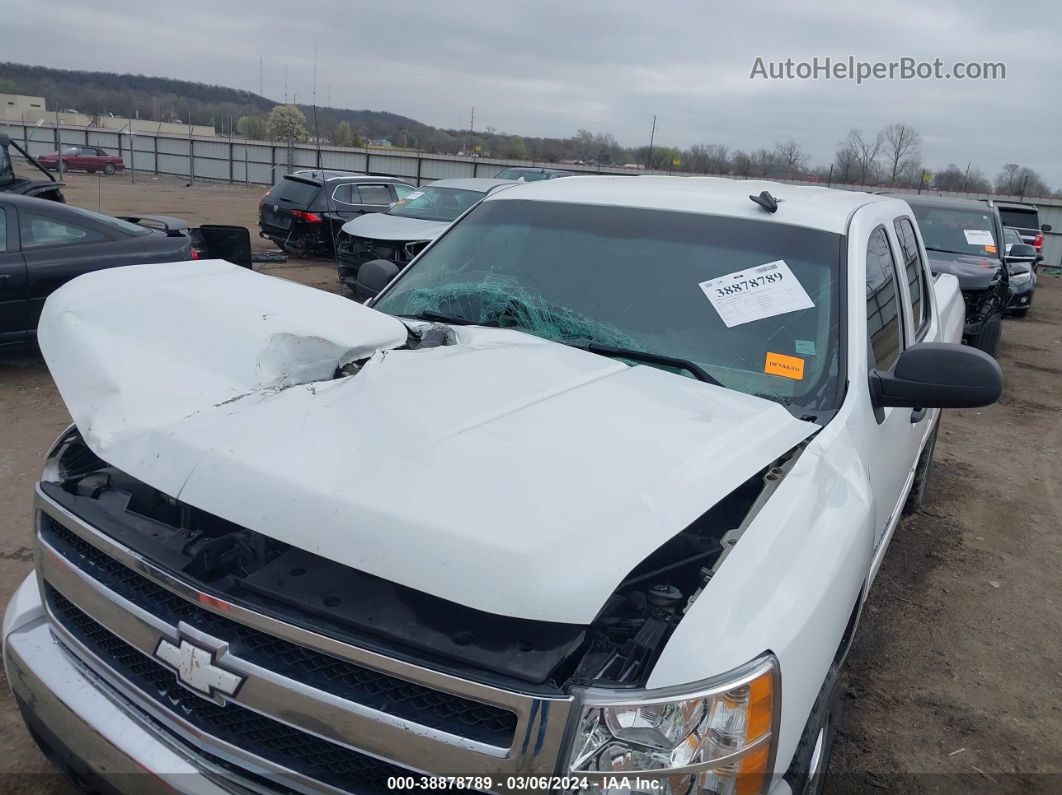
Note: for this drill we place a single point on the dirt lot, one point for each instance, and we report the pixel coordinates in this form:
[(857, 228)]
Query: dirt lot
[(953, 684)]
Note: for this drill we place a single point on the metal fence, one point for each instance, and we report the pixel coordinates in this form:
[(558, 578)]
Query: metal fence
[(259, 162)]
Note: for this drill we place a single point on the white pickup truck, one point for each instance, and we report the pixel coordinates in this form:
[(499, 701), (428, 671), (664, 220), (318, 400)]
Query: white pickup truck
[(589, 499)]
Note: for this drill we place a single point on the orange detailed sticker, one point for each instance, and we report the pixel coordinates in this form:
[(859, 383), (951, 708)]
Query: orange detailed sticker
[(785, 366), (990, 249)]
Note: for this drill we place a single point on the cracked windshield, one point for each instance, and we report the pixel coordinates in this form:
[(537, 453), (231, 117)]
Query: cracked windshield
[(751, 305)]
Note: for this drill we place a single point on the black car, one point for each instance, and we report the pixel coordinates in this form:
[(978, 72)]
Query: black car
[(44, 244), (964, 237), (304, 211), (1023, 262)]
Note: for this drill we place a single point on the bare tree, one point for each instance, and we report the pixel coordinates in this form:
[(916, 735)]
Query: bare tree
[(1015, 180), (954, 178), (902, 152), (707, 159), (860, 157), (741, 164), (790, 158)]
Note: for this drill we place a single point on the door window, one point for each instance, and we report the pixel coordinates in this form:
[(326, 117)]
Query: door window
[(375, 194), (915, 272), (883, 302), (3, 230), (38, 232), (403, 191), (342, 195)]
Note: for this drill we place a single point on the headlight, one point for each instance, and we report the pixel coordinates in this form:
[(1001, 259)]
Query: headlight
[(718, 738), (1020, 277)]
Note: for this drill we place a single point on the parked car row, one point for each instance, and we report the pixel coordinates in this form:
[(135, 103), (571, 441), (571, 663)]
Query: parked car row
[(596, 485)]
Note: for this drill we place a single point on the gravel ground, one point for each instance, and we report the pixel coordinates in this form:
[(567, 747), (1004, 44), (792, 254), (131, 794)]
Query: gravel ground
[(953, 683)]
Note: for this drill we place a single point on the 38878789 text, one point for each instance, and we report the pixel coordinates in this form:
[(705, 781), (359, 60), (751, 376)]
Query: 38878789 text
[(537, 783)]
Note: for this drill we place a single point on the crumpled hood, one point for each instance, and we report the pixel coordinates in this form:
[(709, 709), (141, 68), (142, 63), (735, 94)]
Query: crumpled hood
[(381, 226), (504, 472), (973, 272)]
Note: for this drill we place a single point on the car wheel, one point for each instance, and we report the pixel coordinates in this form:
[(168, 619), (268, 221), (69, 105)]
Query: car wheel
[(921, 476), (811, 762), (62, 166), (108, 169), (987, 339)]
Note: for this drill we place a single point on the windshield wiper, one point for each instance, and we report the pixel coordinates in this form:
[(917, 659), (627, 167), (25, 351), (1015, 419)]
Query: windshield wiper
[(440, 317), (649, 358), (947, 251)]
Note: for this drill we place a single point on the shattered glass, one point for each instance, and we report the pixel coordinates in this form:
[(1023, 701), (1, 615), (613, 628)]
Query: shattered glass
[(503, 302)]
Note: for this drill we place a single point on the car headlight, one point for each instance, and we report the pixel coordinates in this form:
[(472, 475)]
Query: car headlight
[(717, 738), (1020, 277)]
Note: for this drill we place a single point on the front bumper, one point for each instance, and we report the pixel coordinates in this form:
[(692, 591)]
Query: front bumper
[(82, 725), (1021, 296)]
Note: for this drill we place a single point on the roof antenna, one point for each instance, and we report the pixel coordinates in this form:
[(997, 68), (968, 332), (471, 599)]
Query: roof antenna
[(766, 201)]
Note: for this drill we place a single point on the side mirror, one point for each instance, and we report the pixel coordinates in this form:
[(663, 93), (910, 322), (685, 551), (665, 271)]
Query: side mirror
[(939, 375), (373, 276), (1045, 227), (1021, 251)]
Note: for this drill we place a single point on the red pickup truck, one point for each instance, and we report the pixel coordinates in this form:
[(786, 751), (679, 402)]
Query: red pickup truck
[(83, 158)]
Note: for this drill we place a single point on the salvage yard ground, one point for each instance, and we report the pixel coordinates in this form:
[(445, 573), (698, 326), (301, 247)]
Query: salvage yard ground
[(953, 683)]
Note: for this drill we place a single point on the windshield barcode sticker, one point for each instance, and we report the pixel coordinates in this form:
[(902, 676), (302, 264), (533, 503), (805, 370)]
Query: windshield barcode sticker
[(979, 237), (756, 293)]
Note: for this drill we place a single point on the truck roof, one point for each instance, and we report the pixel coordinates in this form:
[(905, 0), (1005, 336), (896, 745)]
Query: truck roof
[(827, 209)]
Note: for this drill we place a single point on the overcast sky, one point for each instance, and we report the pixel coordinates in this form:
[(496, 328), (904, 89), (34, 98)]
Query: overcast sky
[(550, 67)]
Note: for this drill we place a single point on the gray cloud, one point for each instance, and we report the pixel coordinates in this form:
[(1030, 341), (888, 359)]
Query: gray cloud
[(549, 67)]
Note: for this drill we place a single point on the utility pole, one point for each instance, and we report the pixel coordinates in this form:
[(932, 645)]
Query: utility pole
[(285, 84), (261, 84), (315, 75), (472, 133), (652, 135), (966, 178)]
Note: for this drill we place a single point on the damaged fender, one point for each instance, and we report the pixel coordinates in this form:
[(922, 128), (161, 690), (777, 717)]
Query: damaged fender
[(789, 585)]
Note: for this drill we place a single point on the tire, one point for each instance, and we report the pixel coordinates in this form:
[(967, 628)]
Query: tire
[(811, 762), (987, 338), (921, 477), (109, 169), (62, 166)]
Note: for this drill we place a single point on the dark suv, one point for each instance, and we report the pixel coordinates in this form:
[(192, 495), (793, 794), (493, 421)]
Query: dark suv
[(1025, 218), (304, 211), (964, 237)]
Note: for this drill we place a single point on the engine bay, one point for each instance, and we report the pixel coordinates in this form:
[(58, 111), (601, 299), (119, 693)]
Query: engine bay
[(618, 648)]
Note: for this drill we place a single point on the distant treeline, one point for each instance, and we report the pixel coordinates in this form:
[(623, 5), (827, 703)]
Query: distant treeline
[(892, 157)]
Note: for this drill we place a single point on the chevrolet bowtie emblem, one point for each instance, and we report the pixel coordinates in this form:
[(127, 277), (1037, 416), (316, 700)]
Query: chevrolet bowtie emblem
[(195, 667)]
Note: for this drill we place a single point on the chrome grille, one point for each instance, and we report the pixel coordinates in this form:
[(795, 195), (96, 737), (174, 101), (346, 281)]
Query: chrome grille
[(314, 712), (388, 694), (270, 739)]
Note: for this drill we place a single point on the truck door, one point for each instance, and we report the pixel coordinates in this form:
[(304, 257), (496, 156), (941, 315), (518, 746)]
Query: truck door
[(896, 438), (14, 290)]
